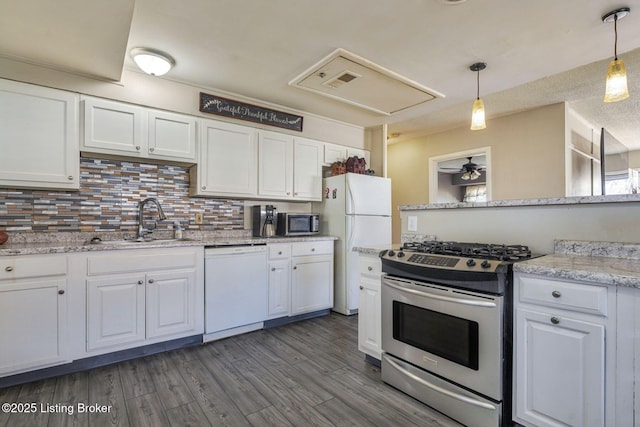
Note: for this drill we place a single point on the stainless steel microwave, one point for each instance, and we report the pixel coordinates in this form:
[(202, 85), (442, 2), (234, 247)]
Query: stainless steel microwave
[(297, 224)]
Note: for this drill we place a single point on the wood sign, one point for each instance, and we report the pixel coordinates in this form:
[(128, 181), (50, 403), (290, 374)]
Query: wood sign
[(239, 110)]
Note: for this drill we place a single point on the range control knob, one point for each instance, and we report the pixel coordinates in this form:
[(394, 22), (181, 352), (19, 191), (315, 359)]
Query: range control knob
[(391, 253), (400, 254), (485, 264), (471, 263)]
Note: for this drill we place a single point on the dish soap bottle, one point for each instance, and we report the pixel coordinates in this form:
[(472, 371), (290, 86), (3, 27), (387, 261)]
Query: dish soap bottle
[(177, 230)]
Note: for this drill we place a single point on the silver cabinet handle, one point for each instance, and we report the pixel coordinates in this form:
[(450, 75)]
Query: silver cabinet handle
[(70, 178), (137, 147), (150, 280), (280, 253), (555, 320), (61, 292), (295, 194), (295, 267), (288, 193), (361, 288), (556, 294), (313, 249), (370, 268), (273, 269), (151, 149), (204, 187), (8, 269), (140, 282)]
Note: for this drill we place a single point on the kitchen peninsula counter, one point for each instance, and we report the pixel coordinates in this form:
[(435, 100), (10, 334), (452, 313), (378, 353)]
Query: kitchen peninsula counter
[(526, 202), (595, 262), (52, 243)]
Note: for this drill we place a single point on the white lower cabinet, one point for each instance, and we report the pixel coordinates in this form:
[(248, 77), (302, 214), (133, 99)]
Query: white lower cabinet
[(33, 312), (560, 377), (140, 297), (369, 312), (300, 278)]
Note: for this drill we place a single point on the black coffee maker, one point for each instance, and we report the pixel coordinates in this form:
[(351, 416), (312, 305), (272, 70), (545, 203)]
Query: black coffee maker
[(264, 220)]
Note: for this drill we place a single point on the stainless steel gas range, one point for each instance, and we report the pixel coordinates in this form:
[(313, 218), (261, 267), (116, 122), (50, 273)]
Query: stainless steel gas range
[(447, 327)]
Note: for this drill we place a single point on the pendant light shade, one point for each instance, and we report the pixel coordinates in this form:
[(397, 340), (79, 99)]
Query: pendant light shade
[(477, 112), (616, 85), (151, 61)]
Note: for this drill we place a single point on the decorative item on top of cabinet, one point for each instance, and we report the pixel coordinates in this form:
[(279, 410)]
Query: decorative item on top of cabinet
[(356, 165), (338, 168), (121, 129), (3, 237), (39, 133)]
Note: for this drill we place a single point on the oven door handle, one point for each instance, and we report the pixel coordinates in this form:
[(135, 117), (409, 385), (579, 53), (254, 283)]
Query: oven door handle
[(398, 285), (438, 389)]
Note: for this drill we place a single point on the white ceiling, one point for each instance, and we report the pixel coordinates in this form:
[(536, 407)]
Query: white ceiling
[(255, 47)]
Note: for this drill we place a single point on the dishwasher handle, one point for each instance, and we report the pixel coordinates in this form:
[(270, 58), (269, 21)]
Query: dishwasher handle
[(234, 250)]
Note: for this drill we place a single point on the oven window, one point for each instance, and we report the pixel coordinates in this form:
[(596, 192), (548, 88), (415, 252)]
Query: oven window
[(450, 337)]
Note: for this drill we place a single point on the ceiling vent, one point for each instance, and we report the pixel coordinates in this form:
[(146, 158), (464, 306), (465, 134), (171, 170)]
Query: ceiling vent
[(349, 78)]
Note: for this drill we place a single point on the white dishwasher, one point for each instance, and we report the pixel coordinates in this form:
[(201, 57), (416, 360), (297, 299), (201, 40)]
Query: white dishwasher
[(235, 290)]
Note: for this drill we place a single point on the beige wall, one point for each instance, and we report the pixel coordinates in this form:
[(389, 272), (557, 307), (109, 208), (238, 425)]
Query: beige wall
[(527, 158)]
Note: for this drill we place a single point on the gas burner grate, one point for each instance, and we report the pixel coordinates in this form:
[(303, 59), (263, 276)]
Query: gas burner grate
[(472, 250)]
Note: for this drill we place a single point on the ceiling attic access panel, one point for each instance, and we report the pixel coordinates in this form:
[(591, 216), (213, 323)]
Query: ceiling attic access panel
[(349, 78)]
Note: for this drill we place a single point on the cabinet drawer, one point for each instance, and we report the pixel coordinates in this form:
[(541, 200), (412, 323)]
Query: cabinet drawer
[(32, 266), (585, 298), (370, 265), (279, 250), (141, 260), (312, 248)]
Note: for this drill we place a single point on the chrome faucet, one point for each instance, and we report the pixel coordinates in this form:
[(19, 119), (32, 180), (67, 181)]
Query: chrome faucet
[(141, 230)]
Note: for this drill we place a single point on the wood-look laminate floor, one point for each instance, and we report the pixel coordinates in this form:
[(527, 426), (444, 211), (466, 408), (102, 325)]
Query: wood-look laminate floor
[(308, 373)]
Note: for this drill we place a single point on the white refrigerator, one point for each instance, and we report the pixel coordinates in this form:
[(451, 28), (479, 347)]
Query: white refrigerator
[(357, 209)]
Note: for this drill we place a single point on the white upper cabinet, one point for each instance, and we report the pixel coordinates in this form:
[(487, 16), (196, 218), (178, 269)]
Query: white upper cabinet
[(39, 137), (275, 164), (307, 170), (289, 167), (128, 130), (334, 153), (228, 161), (171, 136)]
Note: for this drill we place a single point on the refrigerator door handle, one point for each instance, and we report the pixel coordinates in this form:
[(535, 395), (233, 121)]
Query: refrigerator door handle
[(352, 227)]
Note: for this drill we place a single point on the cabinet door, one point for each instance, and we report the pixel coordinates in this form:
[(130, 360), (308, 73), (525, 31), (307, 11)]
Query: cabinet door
[(171, 136), (115, 311), (334, 153), (559, 378), (32, 324), (227, 165), (171, 303), (278, 289), (369, 317), (311, 284), (275, 164), (113, 128), (307, 168), (39, 134)]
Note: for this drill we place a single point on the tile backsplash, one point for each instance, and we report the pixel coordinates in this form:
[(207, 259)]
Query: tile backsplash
[(108, 201)]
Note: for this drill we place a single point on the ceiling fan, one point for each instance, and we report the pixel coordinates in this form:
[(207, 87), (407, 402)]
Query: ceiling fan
[(470, 171)]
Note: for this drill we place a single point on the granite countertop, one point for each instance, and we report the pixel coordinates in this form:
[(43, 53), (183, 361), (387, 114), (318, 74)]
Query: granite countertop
[(527, 202), (52, 243), (594, 262)]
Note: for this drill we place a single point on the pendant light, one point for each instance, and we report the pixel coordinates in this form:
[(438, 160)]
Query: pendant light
[(151, 61), (616, 86), (477, 113)]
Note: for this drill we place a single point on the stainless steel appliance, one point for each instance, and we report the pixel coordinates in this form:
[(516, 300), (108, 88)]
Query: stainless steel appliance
[(447, 327), (264, 220), (297, 224)]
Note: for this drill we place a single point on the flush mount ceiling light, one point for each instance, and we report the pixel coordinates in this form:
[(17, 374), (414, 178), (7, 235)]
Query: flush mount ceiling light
[(616, 86), (477, 113), (151, 61)]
